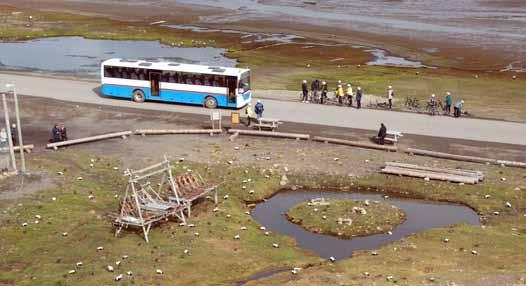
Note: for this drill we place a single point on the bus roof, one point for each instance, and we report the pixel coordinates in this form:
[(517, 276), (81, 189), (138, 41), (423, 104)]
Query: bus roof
[(172, 66)]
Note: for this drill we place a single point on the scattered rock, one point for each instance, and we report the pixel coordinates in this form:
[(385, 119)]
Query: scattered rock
[(332, 259), (243, 228), (508, 204), (275, 245), (237, 237), (109, 268), (118, 277), (159, 271), (446, 240), (72, 271), (374, 253), (487, 196), (474, 252), (129, 273), (100, 248), (79, 264)]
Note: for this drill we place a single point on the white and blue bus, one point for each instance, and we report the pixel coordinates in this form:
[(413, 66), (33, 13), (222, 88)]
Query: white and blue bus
[(175, 82)]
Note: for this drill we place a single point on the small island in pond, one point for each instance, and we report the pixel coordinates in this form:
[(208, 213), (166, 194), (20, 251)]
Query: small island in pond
[(346, 218)]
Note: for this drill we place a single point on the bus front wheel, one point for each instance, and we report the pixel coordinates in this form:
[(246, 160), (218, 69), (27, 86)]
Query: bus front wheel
[(210, 102), (138, 96)]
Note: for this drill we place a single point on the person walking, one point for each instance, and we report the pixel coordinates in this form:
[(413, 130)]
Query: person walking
[(390, 95), (458, 108), (249, 112), (359, 97), (449, 102), (349, 94), (339, 94), (305, 91), (259, 108), (324, 90)]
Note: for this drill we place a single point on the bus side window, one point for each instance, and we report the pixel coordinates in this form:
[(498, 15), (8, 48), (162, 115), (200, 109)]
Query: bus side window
[(197, 80), (175, 77)]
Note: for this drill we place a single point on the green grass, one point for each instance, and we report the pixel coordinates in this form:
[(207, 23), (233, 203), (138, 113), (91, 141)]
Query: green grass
[(40, 254), (379, 217)]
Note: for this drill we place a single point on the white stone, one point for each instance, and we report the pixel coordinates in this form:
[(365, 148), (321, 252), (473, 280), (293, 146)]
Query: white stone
[(100, 248), (508, 204), (125, 257), (79, 264), (109, 268), (186, 251), (237, 237), (159, 271), (374, 253), (446, 240), (129, 273), (474, 252), (225, 197), (38, 217), (332, 259), (243, 228), (73, 271), (118, 262), (275, 245), (196, 233), (487, 196), (24, 224), (64, 234), (118, 277), (267, 233)]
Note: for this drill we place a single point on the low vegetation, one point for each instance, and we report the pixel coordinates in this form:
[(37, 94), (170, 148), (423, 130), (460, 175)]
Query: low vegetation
[(346, 218)]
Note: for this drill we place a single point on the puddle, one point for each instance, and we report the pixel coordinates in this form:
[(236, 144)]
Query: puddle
[(421, 215), (382, 59), (82, 57), (247, 37)]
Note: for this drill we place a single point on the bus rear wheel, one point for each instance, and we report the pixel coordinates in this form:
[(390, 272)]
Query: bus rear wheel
[(138, 96), (210, 102)]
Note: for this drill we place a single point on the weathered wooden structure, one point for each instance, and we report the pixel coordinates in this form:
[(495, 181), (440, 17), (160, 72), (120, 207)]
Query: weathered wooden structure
[(145, 132), (431, 173), (355, 144), (296, 136), (55, 145), (143, 203), (190, 187)]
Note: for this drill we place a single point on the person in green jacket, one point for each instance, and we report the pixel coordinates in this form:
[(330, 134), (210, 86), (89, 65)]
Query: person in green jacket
[(449, 102)]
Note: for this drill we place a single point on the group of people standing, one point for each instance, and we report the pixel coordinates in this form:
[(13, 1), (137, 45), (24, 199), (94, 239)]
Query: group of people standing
[(58, 133), (457, 108), (342, 93)]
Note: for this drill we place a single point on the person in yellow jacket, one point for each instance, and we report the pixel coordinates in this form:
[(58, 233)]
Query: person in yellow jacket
[(349, 94), (250, 113), (340, 94)]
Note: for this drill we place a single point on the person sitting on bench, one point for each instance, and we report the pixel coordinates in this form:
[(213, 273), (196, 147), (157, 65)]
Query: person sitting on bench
[(55, 134), (380, 139)]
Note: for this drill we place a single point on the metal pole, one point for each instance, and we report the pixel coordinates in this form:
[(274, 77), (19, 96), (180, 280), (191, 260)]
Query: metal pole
[(19, 128), (8, 130)]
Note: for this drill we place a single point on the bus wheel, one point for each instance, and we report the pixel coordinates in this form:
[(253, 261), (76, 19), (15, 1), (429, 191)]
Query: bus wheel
[(138, 96), (210, 102)]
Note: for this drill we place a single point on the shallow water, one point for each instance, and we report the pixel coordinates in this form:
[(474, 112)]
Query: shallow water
[(420, 216), (79, 56)]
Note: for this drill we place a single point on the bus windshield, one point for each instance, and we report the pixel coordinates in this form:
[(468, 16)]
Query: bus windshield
[(244, 81)]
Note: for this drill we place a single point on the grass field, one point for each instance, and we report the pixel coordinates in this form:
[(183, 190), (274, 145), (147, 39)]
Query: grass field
[(40, 254), (378, 217)]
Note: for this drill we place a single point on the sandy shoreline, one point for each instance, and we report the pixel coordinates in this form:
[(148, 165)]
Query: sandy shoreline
[(469, 35)]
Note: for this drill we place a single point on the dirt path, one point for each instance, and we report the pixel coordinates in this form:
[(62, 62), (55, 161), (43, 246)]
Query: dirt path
[(417, 124)]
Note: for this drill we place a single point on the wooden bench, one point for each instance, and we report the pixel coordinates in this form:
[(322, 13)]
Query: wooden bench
[(267, 123), (393, 136)]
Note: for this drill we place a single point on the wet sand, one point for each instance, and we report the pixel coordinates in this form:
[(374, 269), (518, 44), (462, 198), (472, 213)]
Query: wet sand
[(467, 34)]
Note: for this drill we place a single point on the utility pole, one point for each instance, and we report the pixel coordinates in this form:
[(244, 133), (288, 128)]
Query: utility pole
[(18, 128), (8, 130)]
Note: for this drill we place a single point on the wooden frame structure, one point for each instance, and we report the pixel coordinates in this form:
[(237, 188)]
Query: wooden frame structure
[(142, 205), (190, 187)]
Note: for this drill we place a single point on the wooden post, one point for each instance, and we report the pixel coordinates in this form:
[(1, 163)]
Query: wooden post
[(356, 144), (88, 139), (9, 135), (270, 134)]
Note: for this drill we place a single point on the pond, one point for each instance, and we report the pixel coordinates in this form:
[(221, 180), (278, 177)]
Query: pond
[(78, 56), (420, 216)]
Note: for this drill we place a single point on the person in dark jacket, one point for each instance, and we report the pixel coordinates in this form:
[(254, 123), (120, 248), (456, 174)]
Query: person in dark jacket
[(380, 139), (259, 108), (315, 87), (359, 97), (305, 91), (55, 134), (449, 102), (14, 134), (324, 90)]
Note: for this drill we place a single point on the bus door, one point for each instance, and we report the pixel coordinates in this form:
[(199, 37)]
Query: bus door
[(232, 89), (155, 82)]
